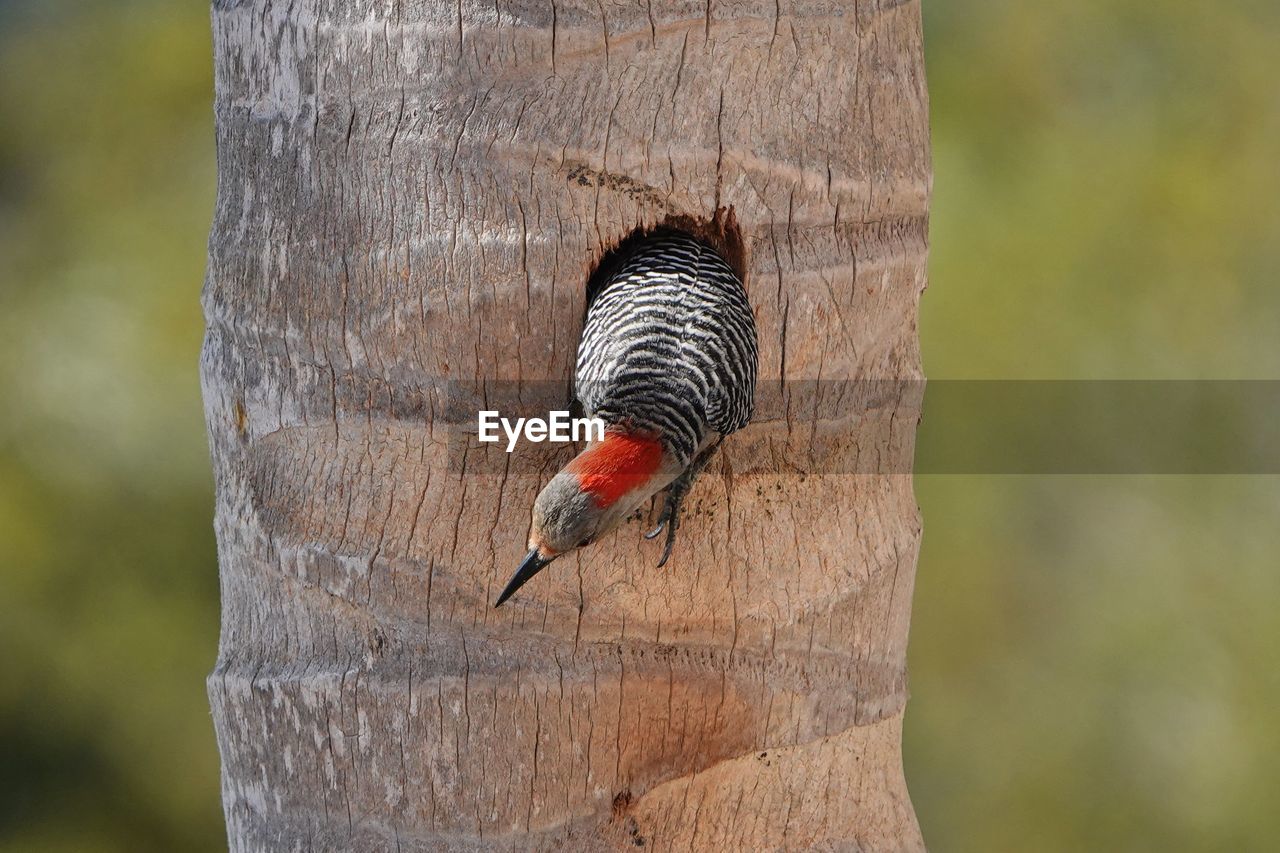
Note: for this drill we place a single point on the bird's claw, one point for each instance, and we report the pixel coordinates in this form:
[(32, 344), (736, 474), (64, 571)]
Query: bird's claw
[(669, 521), (668, 510), (671, 541)]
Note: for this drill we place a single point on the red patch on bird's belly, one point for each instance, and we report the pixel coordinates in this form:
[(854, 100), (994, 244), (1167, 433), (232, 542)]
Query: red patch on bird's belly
[(615, 466)]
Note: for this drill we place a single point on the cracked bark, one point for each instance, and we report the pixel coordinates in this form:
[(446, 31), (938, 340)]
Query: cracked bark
[(411, 197)]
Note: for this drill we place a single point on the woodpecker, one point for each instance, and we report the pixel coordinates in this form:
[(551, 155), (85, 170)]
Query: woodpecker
[(668, 361)]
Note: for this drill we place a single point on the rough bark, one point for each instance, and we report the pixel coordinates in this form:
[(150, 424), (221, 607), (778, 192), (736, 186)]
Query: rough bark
[(411, 198)]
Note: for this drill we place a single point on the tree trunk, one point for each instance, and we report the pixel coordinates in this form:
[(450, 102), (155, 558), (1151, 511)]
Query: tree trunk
[(412, 196)]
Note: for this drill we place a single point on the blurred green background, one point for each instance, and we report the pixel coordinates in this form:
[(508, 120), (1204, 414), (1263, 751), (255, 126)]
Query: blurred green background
[(1093, 658)]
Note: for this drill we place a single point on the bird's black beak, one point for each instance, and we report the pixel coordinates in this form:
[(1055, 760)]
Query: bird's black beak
[(533, 563)]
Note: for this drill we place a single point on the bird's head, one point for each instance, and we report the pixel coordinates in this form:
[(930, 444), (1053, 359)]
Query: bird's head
[(592, 495)]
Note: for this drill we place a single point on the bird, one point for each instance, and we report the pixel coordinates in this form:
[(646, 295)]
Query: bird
[(667, 360)]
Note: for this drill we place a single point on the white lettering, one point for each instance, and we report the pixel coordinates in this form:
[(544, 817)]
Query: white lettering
[(594, 427), (512, 432), (559, 427), (487, 426)]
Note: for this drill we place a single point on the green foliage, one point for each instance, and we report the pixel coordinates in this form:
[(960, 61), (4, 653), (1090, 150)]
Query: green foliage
[(1090, 656), (108, 592)]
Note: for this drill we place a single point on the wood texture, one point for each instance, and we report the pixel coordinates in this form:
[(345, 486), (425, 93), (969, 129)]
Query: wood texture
[(411, 198)]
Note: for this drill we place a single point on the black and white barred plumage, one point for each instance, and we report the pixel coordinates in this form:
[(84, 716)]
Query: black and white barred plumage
[(669, 345)]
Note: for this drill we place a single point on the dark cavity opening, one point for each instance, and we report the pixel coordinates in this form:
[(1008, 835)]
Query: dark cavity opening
[(720, 233)]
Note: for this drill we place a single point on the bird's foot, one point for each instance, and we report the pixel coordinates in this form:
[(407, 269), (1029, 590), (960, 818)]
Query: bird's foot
[(671, 540), (669, 520), (663, 518)]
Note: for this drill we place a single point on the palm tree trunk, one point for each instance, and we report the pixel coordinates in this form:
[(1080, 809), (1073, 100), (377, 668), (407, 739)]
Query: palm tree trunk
[(411, 199)]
